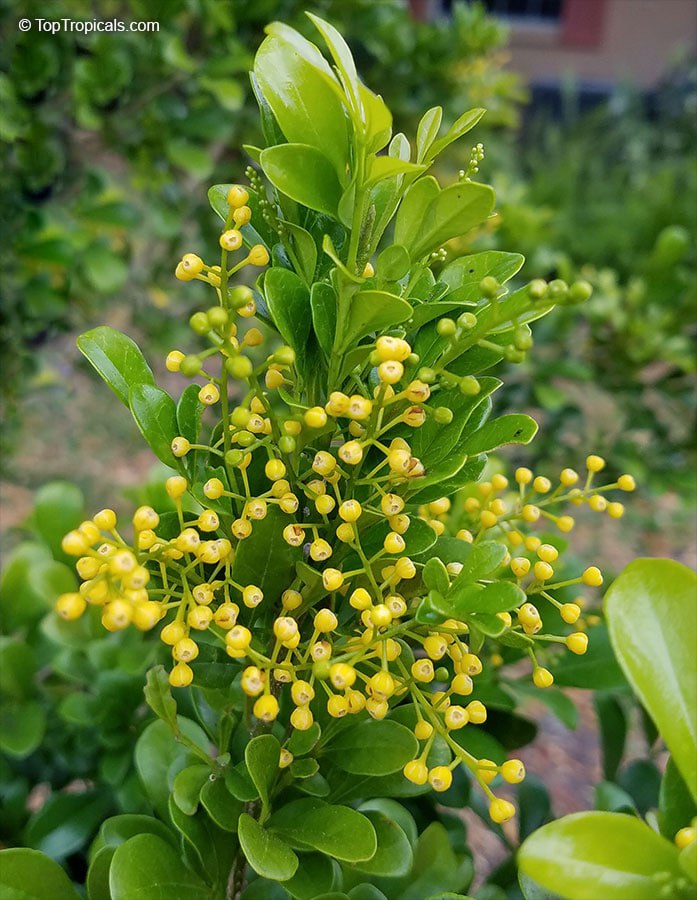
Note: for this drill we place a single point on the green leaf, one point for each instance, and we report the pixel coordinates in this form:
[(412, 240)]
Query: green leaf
[(17, 668), (304, 768), (372, 748), (596, 670), (435, 866), (105, 270), (345, 65), (97, 881), (511, 429), (21, 599), (393, 263), (156, 416), (612, 798), (480, 561), (148, 868), (676, 808), (323, 304), (158, 696), (688, 861), (427, 131), (59, 506), (221, 806), (266, 853), (303, 94), (301, 742), (372, 311), (316, 876), (262, 755), (393, 857), (117, 359), (435, 576), (189, 412), (66, 822), (266, 559), (452, 213), (159, 757), (338, 831), (412, 209), (304, 174), (459, 128), (187, 785), (652, 618), (555, 700), (22, 726), (305, 249), (493, 598), (613, 730), (598, 854), (288, 302), (30, 875), (118, 829)]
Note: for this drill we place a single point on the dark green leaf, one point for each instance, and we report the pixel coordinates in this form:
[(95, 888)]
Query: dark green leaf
[(266, 559), (435, 576), (315, 876), (597, 669), (393, 857), (187, 785), (22, 725), (288, 302), (148, 868), (117, 359), (30, 875), (613, 730), (338, 831), (221, 806), (323, 304), (676, 808), (156, 417), (372, 748), (189, 412), (262, 756), (511, 429), (66, 822)]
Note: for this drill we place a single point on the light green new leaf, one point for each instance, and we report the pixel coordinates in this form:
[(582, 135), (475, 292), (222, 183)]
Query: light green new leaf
[(304, 174), (117, 358), (651, 611), (410, 217), (303, 93), (372, 748), (372, 311), (459, 127), (338, 831), (452, 213), (266, 853), (598, 854), (262, 755), (30, 875), (393, 263), (511, 429), (427, 131), (341, 54), (500, 596), (148, 868)]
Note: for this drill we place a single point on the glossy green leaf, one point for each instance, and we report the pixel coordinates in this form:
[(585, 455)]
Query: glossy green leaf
[(148, 868), (480, 561), (372, 311), (323, 306), (266, 853), (158, 696), (221, 806), (372, 748), (316, 875), (262, 755), (186, 787), (297, 83), (427, 131), (30, 875), (435, 576), (410, 216), (159, 757), (597, 669), (97, 881), (452, 213), (189, 412), (117, 358), (652, 617), (393, 857), (267, 561), (304, 174), (288, 302), (598, 854), (688, 861), (118, 829), (66, 822), (469, 473), (305, 249), (341, 54), (500, 596), (301, 742), (515, 428), (155, 415), (338, 831)]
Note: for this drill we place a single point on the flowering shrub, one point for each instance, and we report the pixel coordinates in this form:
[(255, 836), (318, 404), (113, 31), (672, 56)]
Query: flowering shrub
[(333, 580)]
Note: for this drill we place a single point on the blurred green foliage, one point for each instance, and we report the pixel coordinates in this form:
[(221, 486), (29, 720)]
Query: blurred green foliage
[(611, 196), (107, 136)]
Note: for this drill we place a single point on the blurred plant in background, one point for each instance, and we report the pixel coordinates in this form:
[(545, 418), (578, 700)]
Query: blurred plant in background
[(611, 196), (107, 137)]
